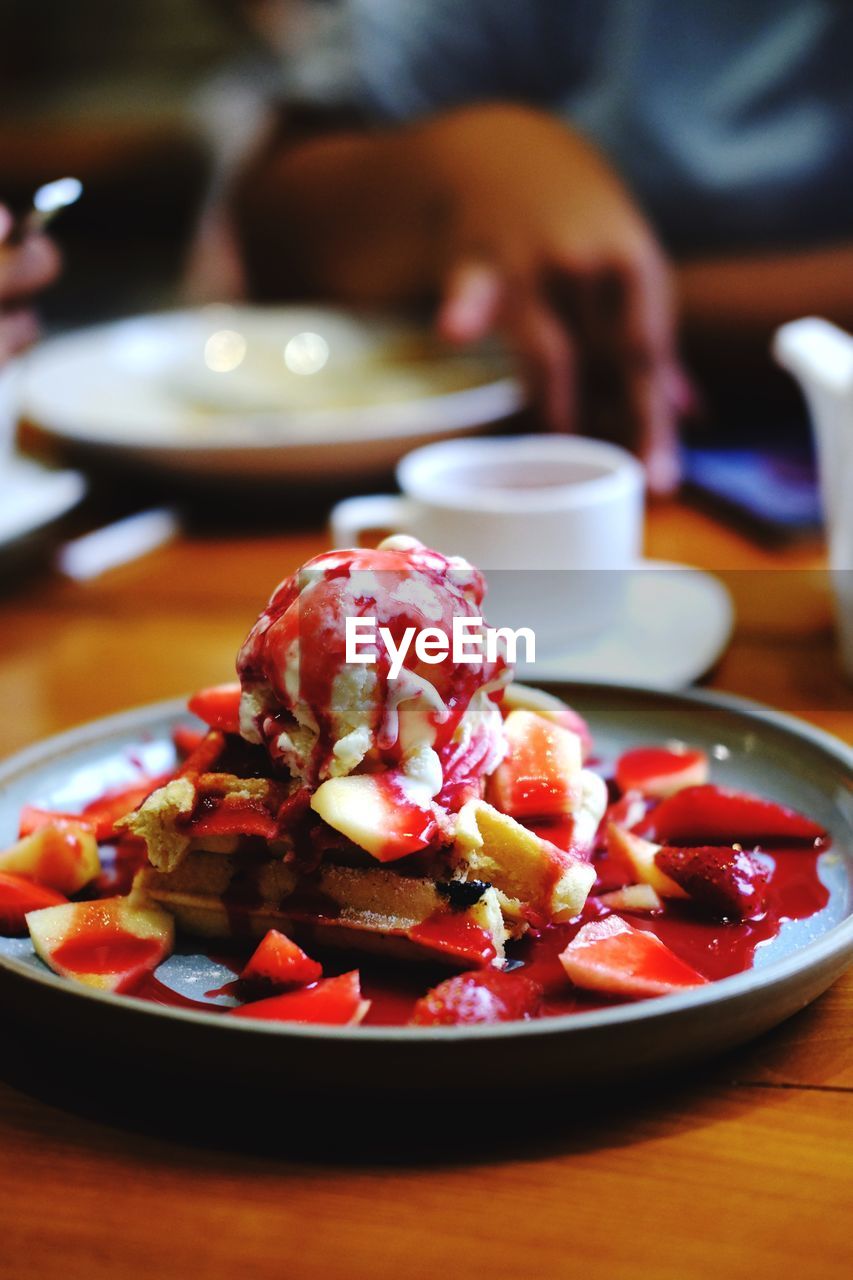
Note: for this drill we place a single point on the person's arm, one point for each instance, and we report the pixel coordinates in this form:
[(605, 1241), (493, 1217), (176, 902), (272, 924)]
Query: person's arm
[(510, 221), (751, 296), (24, 270)]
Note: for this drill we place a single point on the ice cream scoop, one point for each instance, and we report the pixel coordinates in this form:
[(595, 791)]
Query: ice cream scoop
[(432, 721)]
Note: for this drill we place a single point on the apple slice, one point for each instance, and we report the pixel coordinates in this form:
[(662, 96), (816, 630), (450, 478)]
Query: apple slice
[(330, 1002), (522, 697), (488, 995), (712, 815), (633, 897), (374, 812), (60, 854), (534, 872), (279, 961), (110, 943), (640, 856), (539, 775), (611, 955), (18, 896), (727, 882), (661, 771), (218, 706)]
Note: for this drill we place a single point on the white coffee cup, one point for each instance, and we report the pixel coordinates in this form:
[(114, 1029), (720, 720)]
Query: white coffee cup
[(549, 518)]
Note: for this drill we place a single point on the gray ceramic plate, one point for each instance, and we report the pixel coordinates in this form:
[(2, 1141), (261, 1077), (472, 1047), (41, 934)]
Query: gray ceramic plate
[(753, 748)]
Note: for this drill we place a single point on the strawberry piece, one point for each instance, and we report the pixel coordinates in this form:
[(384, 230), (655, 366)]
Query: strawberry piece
[(186, 739), (488, 995), (610, 955), (279, 961), (218, 706), (712, 815), (727, 882), (661, 771), (17, 897), (330, 1002), (204, 754), (118, 802)]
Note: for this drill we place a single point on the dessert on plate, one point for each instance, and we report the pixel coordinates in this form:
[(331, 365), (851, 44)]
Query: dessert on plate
[(374, 807)]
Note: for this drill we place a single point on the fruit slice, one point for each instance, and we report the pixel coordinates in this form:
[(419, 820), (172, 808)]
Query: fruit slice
[(529, 870), (661, 771), (374, 811), (278, 960), (712, 815), (117, 803), (218, 706), (489, 995), (727, 882), (60, 854), (32, 817), (110, 944), (611, 955), (331, 1002), (633, 897), (640, 856), (524, 698), (17, 897), (539, 776)]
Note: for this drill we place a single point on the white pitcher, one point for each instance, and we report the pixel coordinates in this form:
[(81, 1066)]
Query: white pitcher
[(820, 356)]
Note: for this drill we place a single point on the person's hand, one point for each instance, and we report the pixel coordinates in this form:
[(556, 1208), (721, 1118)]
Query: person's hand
[(545, 246), (25, 269)]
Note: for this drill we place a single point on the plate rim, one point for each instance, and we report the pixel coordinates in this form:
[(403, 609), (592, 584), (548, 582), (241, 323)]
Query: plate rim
[(836, 944), (502, 396)]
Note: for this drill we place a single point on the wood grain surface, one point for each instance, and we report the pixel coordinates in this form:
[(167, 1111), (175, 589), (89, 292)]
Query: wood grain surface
[(741, 1169)]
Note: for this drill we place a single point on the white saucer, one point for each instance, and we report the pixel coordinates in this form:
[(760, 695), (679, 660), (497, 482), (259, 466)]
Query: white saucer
[(32, 497), (676, 623)]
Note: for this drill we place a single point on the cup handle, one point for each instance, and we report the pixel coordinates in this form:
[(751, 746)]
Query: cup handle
[(350, 518)]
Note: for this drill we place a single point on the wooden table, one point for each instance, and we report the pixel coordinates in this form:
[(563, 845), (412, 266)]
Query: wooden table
[(741, 1169)]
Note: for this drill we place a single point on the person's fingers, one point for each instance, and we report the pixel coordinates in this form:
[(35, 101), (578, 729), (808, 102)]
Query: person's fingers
[(18, 329), (471, 303), (7, 222), (546, 351), (27, 267)]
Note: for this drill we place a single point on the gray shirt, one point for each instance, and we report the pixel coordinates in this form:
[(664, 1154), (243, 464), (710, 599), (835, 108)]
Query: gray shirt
[(731, 120)]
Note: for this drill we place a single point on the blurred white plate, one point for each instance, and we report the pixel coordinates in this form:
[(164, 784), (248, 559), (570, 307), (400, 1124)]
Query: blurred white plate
[(676, 622), (31, 497), (299, 392)]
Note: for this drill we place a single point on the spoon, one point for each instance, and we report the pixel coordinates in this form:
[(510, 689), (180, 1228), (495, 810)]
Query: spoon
[(48, 200)]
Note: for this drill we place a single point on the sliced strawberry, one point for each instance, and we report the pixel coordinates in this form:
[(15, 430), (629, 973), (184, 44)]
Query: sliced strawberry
[(234, 820), (205, 753), (17, 897), (279, 961), (331, 1002), (717, 816), (610, 955), (118, 802), (186, 739), (487, 995), (661, 771), (727, 882), (218, 706)]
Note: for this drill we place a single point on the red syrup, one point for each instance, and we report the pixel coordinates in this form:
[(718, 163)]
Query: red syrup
[(105, 949), (716, 949)]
